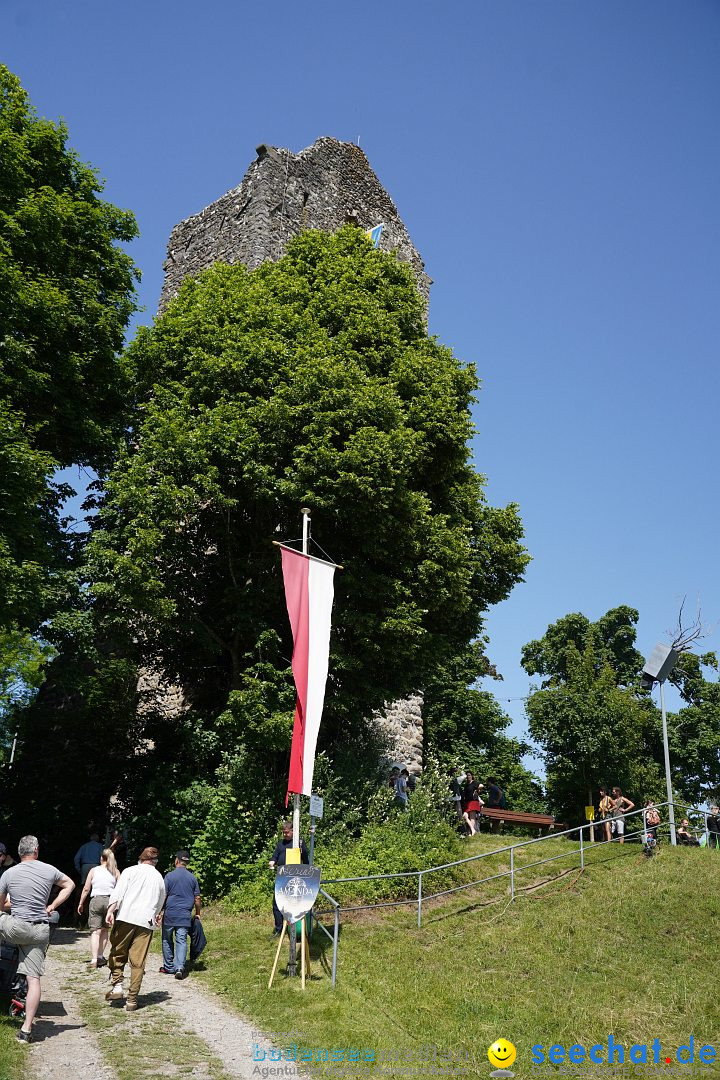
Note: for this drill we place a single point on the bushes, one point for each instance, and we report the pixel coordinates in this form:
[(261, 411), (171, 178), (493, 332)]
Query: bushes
[(393, 841)]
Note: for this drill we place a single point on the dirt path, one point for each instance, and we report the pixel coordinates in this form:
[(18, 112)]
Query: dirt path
[(75, 1026), (64, 1048)]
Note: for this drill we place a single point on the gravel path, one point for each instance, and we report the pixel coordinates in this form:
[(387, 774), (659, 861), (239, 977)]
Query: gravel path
[(65, 1048)]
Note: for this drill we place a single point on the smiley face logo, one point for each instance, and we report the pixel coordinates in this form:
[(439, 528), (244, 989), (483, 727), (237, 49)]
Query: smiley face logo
[(502, 1053)]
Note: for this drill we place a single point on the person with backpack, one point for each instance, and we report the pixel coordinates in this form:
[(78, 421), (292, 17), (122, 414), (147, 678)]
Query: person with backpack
[(652, 819)]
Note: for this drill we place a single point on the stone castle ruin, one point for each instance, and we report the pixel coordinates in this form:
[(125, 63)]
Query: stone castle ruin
[(325, 186)]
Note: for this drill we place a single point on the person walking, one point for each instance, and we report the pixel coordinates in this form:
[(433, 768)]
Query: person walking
[(182, 904), (99, 884), (87, 856), (455, 792), (134, 911), (6, 860), (29, 885)]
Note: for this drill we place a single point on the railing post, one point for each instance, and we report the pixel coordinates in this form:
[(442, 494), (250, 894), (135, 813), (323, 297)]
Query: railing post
[(582, 849), (512, 874), (335, 944), (419, 899)]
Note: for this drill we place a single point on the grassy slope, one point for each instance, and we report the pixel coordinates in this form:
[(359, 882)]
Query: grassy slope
[(629, 947)]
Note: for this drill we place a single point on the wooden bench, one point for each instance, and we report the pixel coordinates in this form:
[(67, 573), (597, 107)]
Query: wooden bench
[(518, 817)]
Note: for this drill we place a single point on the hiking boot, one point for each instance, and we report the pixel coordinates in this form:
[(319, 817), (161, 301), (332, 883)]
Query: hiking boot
[(24, 1036), (130, 1005), (115, 992), (165, 971), (181, 974)]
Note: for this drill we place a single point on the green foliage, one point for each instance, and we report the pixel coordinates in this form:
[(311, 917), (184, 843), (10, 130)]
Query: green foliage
[(66, 295), (454, 706), (310, 381), (394, 842), (597, 727), (66, 288), (611, 640), (694, 732)]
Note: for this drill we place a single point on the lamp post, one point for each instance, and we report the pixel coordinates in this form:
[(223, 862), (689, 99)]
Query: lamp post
[(657, 668)]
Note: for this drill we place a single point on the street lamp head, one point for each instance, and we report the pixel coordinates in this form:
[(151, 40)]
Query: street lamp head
[(659, 664)]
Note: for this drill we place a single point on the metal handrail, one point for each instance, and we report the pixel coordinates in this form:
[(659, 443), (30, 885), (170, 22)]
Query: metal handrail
[(511, 873)]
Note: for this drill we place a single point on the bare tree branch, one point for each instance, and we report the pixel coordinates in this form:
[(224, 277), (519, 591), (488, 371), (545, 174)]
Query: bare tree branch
[(684, 636)]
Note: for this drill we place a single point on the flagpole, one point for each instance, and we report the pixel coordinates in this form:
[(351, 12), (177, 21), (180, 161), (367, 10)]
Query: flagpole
[(292, 959), (296, 795)]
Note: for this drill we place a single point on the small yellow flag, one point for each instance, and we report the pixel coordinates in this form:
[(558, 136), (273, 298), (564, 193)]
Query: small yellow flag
[(590, 813), (292, 856)]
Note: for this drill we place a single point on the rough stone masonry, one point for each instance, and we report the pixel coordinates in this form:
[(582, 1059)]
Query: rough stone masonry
[(323, 187)]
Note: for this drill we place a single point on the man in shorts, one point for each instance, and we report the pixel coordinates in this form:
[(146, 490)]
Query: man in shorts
[(29, 885)]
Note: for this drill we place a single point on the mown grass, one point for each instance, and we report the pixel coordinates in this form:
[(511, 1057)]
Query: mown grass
[(12, 1054), (627, 947)]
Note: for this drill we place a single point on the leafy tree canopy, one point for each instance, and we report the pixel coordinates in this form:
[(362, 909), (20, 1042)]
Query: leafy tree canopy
[(66, 295), (593, 732), (595, 725), (310, 381), (611, 641)]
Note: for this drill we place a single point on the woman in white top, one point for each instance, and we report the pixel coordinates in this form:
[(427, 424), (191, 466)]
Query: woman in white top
[(99, 883)]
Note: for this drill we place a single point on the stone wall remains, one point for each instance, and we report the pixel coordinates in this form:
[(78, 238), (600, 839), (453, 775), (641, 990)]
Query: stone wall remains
[(323, 187)]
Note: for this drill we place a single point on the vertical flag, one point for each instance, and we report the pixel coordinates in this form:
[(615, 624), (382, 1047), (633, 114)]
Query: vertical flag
[(309, 597), (375, 235)]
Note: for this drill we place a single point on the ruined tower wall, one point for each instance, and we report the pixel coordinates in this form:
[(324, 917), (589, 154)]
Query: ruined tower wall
[(322, 187)]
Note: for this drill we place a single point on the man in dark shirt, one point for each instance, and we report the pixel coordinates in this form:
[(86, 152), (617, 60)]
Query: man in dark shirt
[(182, 895), (279, 857), (713, 827)]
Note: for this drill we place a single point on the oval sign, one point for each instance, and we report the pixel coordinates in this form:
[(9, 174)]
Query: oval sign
[(296, 889)]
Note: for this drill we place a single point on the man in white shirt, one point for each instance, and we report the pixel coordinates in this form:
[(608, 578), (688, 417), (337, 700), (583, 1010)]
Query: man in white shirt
[(29, 885), (134, 911)]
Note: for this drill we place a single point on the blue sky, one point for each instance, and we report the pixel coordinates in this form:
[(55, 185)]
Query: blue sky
[(558, 167)]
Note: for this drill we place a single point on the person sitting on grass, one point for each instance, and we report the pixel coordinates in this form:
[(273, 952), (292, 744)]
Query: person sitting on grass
[(684, 836)]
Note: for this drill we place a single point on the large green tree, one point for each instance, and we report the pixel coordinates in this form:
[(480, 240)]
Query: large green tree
[(66, 295), (311, 381), (308, 382), (593, 732), (597, 725)]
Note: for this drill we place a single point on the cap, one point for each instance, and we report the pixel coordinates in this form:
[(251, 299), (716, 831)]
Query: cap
[(149, 854), (183, 855)]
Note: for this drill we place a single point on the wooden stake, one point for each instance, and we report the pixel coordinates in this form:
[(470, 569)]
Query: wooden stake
[(277, 955), (303, 947), (307, 947)]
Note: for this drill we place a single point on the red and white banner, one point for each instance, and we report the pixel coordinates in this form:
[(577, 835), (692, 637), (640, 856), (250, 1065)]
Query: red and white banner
[(309, 599)]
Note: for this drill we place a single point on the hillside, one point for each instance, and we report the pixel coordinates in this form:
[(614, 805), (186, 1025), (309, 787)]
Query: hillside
[(628, 947)]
